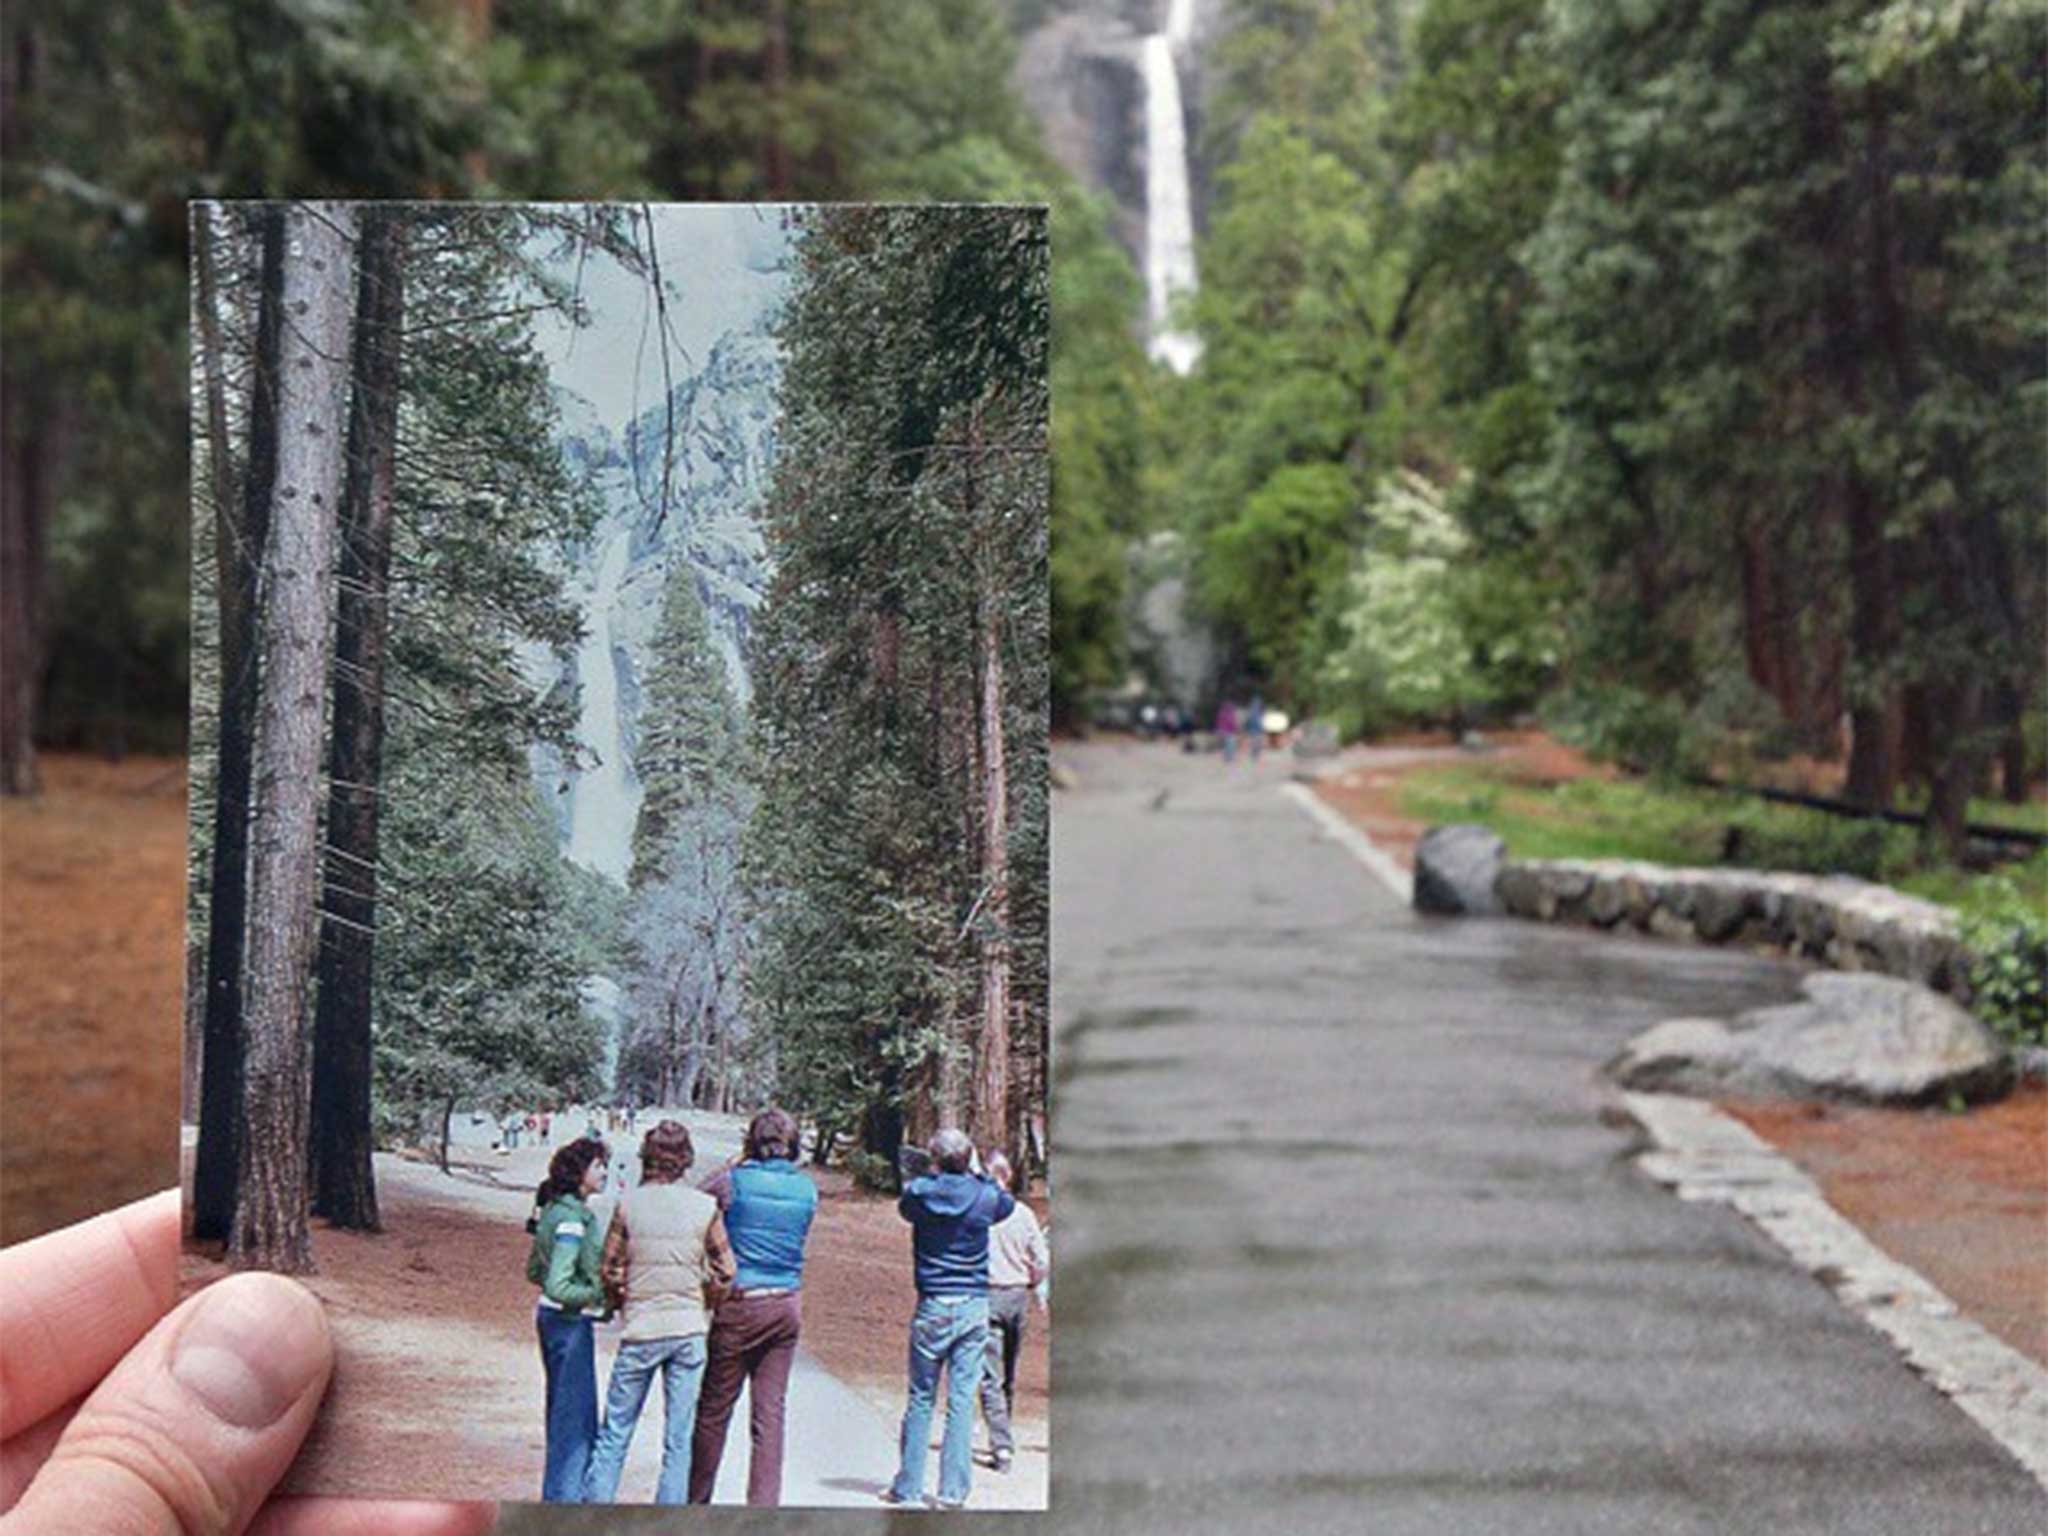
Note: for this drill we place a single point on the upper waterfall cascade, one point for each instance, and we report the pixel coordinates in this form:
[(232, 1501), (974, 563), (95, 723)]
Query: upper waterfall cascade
[(608, 798), (1169, 219)]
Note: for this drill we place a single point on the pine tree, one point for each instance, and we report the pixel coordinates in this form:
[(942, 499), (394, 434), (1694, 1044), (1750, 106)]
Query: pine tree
[(296, 629)]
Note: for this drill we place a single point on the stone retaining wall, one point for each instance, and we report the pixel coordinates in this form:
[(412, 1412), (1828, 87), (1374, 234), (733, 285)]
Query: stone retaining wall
[(1840, 921)]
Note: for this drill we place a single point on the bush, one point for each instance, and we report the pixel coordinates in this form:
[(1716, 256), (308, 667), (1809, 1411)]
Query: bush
[(1620, 724), (1811, 843), (872, 1172), (2008, 935)]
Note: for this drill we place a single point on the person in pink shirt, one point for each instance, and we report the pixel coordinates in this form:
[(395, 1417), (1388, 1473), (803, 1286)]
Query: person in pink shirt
[(1019, 1263)]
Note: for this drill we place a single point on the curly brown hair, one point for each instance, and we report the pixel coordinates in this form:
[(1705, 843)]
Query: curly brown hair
[(666, 1152), (566, 1169)]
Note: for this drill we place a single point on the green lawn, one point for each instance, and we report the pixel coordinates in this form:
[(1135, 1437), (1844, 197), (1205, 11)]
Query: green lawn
[(1637, 819)]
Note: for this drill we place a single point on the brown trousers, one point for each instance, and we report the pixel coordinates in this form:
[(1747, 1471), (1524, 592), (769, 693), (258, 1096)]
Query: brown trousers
[(750, 1341)]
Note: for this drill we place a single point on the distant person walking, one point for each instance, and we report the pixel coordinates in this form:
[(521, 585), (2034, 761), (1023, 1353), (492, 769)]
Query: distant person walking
[(1255, 724), (666, 1264), (1226, 729), (564, 1263), (950, 1212), (1018, 1264), (768, 1204)]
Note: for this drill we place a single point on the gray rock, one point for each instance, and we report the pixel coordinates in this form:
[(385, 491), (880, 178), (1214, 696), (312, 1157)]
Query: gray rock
[(1520, 890), (1694, 1056), (1866, 1038), (1455, 871), (1718, 909), (1607, 902), (1667, 924)]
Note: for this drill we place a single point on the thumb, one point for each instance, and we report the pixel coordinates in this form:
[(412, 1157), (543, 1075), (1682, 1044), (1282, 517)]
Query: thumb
[(192, 1429)]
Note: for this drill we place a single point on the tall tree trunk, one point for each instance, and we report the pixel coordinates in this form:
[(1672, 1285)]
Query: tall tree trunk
[(297, 642), (239, 545), (991, 1113), (26, 478), (25, 501), (2012, 747), (344, 1180), (1956, 708)]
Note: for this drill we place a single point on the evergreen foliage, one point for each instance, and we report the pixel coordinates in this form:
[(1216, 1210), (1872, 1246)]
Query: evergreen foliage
[(907, 527)]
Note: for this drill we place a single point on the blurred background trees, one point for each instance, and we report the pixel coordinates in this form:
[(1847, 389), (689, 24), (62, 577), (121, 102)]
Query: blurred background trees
[(1714, 330)]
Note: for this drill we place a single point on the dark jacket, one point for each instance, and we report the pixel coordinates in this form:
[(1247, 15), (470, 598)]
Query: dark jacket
[(950, 1214)]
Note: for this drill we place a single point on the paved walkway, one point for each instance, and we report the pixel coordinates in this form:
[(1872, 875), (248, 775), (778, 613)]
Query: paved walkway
[(1346, 1244)]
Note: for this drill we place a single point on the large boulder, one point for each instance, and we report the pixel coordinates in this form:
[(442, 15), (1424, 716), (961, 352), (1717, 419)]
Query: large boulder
[(1862, 1037), (1455, 869)]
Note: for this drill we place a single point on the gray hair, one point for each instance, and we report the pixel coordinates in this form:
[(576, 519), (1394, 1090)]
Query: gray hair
[(951, 1150)]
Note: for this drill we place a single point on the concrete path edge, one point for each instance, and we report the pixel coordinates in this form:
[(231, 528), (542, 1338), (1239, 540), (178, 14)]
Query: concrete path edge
[(1704, 1155), (1377, 861)]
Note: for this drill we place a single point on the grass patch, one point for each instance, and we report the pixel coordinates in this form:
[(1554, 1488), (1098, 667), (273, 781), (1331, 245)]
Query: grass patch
[(1673, 824)]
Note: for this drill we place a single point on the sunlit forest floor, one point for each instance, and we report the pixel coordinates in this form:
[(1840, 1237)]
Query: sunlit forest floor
[(1963, 1198), (92, 903)]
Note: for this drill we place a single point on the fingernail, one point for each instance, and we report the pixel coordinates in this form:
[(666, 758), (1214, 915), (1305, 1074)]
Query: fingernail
[(251, 1349)]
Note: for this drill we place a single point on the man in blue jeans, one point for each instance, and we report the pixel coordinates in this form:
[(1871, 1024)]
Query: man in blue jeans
[(950, 1212)]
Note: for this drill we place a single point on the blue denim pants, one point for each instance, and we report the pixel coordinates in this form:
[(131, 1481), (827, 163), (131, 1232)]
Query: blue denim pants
[(680, 1361), (949, 1332), (569, 1356)]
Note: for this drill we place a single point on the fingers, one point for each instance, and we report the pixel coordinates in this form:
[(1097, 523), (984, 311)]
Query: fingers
[(196, 1425), (23, 1456), (372, 1517), (73, 1303)]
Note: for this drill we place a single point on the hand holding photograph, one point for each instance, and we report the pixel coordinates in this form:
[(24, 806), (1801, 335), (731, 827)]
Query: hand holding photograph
[(618, 839)]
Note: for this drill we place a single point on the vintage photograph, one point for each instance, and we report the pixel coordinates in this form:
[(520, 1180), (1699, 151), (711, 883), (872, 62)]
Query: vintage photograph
[(618, 839)]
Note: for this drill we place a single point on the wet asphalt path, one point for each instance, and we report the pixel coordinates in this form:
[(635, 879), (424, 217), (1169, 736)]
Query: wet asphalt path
[(1343, 1243)]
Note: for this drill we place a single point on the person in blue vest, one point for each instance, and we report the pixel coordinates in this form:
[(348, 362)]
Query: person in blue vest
[(950, 1212), (767, 1202)]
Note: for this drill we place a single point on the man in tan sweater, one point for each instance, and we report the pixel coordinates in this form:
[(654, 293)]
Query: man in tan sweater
[(666, 1264), (1018, 1264)]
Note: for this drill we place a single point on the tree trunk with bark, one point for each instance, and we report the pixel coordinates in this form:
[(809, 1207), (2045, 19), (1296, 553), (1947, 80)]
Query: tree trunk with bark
[(344, 1180), (297, 641), (27, 467), (991, 1102), (241, 535)]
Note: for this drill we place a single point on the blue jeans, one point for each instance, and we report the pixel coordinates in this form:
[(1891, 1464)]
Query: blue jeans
[(570, 1359), (681, 1363), (949, 1332)]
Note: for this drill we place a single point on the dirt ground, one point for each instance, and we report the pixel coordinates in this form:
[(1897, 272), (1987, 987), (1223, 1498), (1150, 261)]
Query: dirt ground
[(1961, 1198), (92, 912)]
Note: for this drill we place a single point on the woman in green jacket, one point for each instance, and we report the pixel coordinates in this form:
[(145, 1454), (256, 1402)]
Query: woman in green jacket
[(567, 1252)]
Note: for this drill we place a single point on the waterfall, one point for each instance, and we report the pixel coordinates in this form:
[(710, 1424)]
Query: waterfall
[(606, 800), (1169, 223)]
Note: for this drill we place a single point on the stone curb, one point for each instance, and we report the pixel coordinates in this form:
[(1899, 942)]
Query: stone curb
[(1702, 1154), (1838, 920)]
